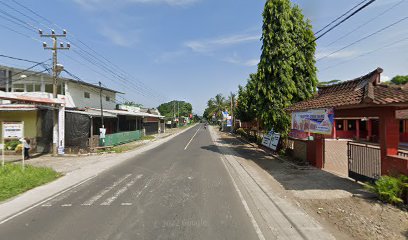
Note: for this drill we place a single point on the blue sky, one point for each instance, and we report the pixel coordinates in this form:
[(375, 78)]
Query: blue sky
[(193, 49)]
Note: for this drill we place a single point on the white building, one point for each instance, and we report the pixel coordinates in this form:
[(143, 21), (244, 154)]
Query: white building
[(77, 94)]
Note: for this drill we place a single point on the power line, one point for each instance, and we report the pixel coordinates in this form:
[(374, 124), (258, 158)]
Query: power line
[(366, 53), (365, 23), (332, 28), (344, 14), (19, 59), (25, 78), (27, 69), (141, 85), (363, 38), (345, 19)]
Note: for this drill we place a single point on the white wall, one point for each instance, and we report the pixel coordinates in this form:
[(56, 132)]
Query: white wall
[(76, 92)]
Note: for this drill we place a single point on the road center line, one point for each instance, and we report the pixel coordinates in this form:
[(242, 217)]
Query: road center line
[(192, 138)]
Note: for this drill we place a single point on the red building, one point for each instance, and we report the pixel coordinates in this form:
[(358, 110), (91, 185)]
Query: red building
[(366, 112)]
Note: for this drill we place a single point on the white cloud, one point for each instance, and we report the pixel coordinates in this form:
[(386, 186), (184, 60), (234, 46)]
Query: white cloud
[(120, 38), (235, 59), (385, 78), (98, 4), (209, 45), (168, 56)]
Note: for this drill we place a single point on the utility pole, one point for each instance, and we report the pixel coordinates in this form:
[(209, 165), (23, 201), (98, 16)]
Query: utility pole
[(178, 113), (56, 69), (100, 97), (174, 111), (232, 112)]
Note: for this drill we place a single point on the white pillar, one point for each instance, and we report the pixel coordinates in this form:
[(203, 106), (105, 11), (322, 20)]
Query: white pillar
[(61, 129)]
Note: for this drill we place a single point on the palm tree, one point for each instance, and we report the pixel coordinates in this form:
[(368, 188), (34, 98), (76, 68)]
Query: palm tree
[(219, 105)]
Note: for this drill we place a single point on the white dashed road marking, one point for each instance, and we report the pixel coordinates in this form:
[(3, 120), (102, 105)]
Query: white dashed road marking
[(110, 200), (105, 191)]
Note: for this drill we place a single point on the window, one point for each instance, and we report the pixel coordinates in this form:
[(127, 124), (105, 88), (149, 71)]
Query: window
[(37, 87), (351, 125), (18, 87), (48, 88), (30, 88), (339, 125), (401, 126), (107, 98), (87, 95)]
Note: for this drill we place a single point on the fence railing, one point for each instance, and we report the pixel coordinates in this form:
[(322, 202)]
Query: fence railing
[(403, 153), (122, 137), (364, 161)]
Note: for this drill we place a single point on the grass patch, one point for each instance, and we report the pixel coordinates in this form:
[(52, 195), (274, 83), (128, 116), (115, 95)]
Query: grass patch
[(14, 180), (148, 137)]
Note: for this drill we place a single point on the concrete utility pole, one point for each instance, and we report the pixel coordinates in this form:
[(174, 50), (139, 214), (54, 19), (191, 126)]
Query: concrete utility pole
[(178, 113), (100, 97), (56, 69), (174, 112), (232, 111)]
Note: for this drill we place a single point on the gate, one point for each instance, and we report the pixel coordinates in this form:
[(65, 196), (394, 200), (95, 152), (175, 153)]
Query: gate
[(364, 161)]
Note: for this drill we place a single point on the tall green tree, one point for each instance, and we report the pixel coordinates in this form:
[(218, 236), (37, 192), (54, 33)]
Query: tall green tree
[(286, 72), (246, 102)]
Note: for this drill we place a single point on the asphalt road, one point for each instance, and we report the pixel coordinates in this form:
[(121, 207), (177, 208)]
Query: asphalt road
[(179, 190)]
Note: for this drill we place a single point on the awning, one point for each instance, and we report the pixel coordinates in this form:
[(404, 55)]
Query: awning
[(126, 113), (17, 107), (93, 114), (29, 99)]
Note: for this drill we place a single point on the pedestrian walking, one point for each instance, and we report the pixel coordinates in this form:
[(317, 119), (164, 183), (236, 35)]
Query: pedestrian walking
[(26, 146)]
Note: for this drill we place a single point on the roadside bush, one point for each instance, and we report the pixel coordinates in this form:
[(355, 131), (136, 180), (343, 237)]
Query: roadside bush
[(241, 131), (390, 189), (11, 145)]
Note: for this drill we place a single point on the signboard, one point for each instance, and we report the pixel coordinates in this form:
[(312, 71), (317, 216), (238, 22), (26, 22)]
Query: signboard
[(225, 114), (314, 121), (274, 141), (13, 129), (229, 123), (266, 141), (271, 140)]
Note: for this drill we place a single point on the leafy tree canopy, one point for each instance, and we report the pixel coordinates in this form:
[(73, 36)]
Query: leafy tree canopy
[(174, 108), (399, 80), (286, 72)]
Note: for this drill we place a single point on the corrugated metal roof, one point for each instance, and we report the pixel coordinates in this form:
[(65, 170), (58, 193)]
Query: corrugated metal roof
[(92, 113), (127, 113)]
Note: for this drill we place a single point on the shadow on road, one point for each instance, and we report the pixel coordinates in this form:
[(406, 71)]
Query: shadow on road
[(287, 175)]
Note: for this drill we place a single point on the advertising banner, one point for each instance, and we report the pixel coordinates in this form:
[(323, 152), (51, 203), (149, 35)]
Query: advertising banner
[(314, 121)]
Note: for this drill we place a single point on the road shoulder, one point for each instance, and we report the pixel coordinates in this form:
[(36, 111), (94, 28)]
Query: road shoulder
[(276, 216)]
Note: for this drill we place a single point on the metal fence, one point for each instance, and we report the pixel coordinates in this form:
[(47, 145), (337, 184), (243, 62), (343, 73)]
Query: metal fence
[(122, 137), (403, 153), (364, 161)]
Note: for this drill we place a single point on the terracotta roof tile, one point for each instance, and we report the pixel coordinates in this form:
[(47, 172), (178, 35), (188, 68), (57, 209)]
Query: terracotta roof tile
[(366, 89)]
